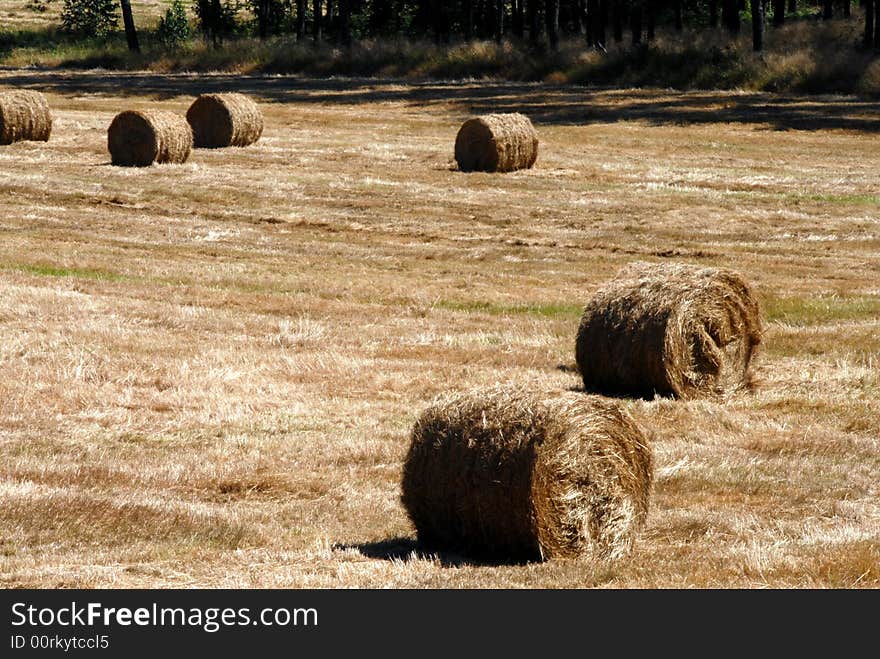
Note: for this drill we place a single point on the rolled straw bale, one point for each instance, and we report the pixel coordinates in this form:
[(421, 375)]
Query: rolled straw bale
[(496, 143), (24, 115), (220, 120), (669, 329), (517, 475), (139, 138)]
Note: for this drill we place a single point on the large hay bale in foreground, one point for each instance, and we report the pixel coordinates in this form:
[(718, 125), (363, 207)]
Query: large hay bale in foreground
[(669, 329), (496, 143), (24, 115), (514, 475), (220, 120), (139, 138)]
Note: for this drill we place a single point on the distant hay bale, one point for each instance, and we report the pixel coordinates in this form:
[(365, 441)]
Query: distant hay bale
[(143, 137), (496, 143), (669, 329), (515, 475), (220, 120), (24, 115)]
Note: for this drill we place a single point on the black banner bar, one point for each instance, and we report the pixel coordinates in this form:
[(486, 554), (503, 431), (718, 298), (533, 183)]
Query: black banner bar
[(115, 623)]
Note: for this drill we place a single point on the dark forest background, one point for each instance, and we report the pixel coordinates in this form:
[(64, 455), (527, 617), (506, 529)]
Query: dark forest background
[(776, 45)]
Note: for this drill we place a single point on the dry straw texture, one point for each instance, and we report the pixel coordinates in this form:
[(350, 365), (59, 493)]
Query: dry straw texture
[(669, 329), (220, 120), (496, 143), (24, 115), (517, 475), (140, 138)]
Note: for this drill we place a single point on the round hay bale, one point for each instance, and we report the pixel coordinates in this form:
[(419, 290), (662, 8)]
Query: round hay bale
[(669, 329), (496, 143), (515, 475), (24, 115), (220, 120), (139, 138)]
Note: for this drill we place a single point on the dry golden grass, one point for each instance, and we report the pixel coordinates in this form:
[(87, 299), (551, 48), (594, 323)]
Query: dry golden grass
[(15, 14), (208, 372)]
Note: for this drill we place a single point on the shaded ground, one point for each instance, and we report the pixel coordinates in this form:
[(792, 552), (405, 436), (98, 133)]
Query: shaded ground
[(566, 105)]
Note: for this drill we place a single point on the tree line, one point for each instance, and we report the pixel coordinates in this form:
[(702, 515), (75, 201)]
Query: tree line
[(540, 23)]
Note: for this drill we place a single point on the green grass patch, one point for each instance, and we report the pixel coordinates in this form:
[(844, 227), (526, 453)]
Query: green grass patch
[(805, 311), (843, 199), (859, 345), (548, 310), (51, 47)]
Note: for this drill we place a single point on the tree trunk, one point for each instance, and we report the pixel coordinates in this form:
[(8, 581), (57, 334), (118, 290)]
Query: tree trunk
[(592, 21), (757, 25), (827, 9), (679, 20), (869, 23), (131, 35), (532, 17), (468, 18), (263, 19), (651, 11), (300, 19), (876, 14), (345, 22), (792, 6), (518, 21), (379, 18), (847, 8), (580, 17), (317, 19), (398, 19), (476, 18), (499, 20), (552, 16), (713, 13), (635, 21), (730, 15), (617, 19), (778, 13), (600, 24), (441, 22)]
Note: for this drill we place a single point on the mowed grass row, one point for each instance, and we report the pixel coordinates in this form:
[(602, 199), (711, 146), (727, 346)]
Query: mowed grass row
[(209, 372)]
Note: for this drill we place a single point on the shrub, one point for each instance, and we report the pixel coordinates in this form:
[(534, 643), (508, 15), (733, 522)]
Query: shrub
[(174, 26), (89, 17)]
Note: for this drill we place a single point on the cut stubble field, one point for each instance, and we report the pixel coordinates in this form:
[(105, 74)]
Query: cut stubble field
[(208, 372)]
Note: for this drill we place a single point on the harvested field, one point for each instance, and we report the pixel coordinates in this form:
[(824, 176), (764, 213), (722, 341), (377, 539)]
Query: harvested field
[(209, 371)]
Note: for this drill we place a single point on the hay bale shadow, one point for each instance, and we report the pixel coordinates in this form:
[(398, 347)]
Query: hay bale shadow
[(617, 395), (406, 549)]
